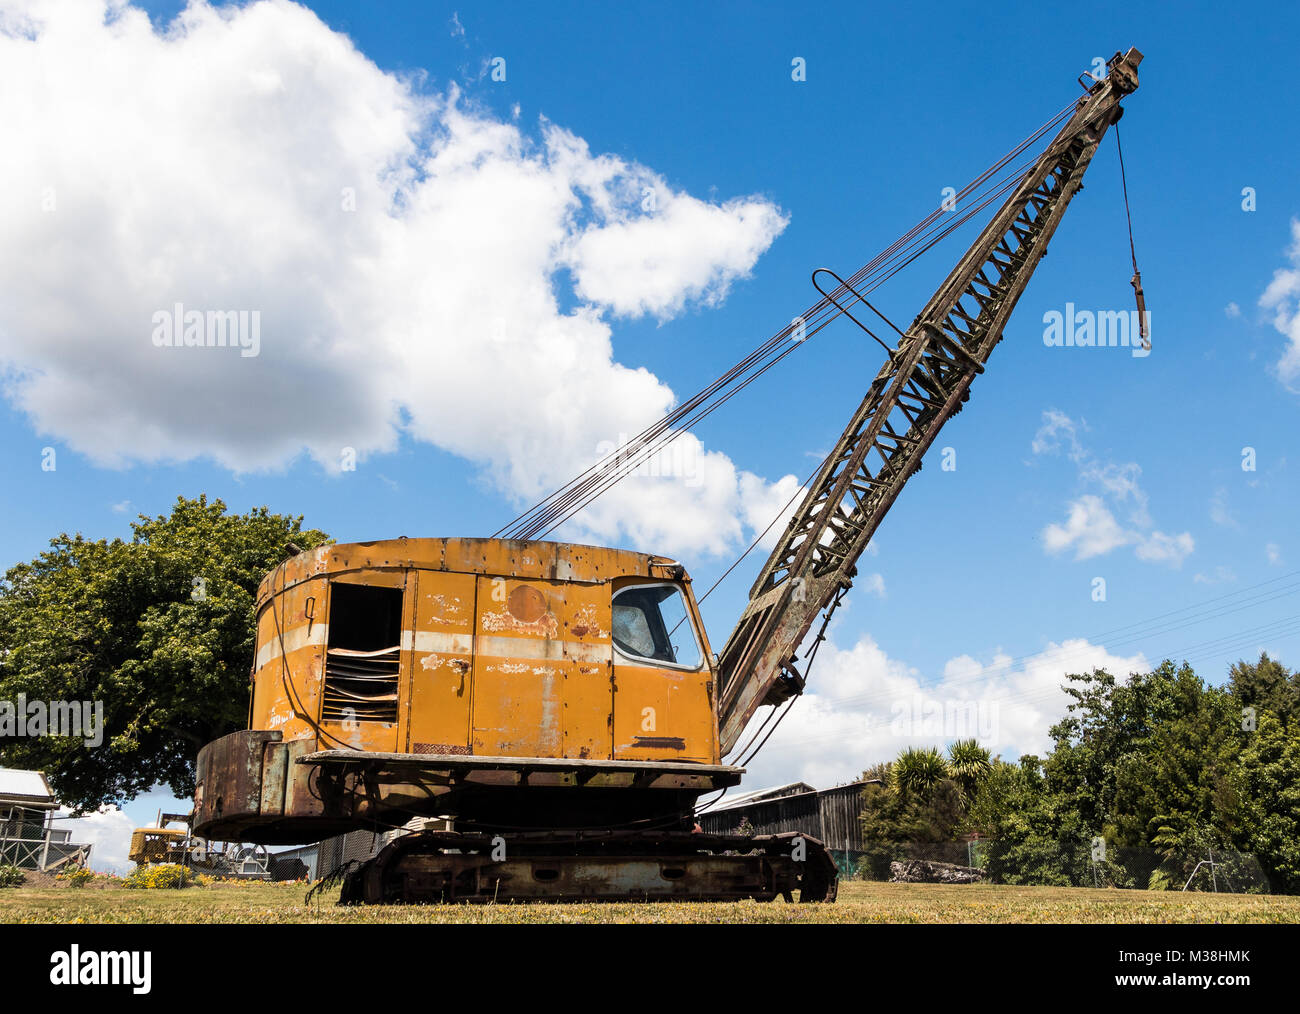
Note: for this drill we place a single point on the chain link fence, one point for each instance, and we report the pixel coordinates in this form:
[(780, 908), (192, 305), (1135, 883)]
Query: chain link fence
[(1088, 863)]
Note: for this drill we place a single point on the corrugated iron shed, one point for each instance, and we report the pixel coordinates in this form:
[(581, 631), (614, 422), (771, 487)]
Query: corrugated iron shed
[(831, 815)]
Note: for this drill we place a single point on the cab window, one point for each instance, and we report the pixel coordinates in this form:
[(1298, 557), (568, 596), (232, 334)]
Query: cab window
[(651, 624)]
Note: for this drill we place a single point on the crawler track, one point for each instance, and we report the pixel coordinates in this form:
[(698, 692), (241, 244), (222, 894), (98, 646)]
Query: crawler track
[(435, 867)]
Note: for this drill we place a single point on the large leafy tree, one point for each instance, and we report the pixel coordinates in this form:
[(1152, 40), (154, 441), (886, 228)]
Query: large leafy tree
[(1169, 771), (1109, 727), (1268, 784), (158, 628), (920, 801), (1034, 835)]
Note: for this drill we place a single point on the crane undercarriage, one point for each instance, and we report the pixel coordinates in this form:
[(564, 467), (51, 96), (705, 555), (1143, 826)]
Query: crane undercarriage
[(446, 866), (277, 791)]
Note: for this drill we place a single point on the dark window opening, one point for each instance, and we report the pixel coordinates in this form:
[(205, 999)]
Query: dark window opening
[(363, 655), (651, 622), (365, 618)]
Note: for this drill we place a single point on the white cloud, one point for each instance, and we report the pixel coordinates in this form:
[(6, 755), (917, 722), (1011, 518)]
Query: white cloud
[(421, 268), (769, 504), (689, 250), (1232, 310), (109, 833), (1219, 512), (1091, 528), (1158, 547), (873, 584), (864, 707), (1274, 553), (1282, 296), (1057, 430)]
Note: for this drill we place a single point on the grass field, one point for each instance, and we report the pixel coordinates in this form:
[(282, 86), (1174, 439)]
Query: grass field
[(858, 902)]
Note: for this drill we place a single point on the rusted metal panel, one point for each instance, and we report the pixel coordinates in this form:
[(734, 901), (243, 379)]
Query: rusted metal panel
[(229, 777), (291, 634), (275, 777), (442, 652), (663, 715), (556, 561), (541, 669), (302, 794)]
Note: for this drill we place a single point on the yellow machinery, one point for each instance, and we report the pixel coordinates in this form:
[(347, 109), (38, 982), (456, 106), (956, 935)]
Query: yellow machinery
[(154, 845), (562, 703), (163, 844)]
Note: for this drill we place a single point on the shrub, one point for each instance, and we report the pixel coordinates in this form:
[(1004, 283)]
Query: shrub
[(79, 877), (10, 875), (160, 877)]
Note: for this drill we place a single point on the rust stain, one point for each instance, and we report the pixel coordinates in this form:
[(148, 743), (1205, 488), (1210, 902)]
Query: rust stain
[(586, 621), (660, 742), (545, 626), (446, 609), (458, 749)]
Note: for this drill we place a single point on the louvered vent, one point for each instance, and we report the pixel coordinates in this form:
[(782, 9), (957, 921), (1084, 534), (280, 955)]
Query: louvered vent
[(361, 685)]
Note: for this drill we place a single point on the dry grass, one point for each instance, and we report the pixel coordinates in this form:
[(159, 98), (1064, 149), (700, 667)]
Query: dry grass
[(858, 903)]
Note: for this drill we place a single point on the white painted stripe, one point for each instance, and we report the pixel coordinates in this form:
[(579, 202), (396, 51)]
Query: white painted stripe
[(436, 640), (453, 644), (294, 639), (539, 648)]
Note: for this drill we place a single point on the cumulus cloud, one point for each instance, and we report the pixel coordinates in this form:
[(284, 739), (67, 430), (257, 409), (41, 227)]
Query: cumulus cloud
[(1282, 296), (864, 707), (109, 834), (1090, 528), (420, 268)]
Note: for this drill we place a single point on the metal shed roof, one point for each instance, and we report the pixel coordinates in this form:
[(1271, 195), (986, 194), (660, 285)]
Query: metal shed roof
[(26, 788), (761, 795)]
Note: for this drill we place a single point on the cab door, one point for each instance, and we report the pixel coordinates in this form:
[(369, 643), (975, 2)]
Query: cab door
[(663, 703)]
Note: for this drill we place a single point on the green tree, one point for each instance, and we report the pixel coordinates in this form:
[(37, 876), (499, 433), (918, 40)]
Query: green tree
[(916, 772), (160, 629), (969, 764), (1268, 783), (1034, 835), (1109, 726), (917, 804)]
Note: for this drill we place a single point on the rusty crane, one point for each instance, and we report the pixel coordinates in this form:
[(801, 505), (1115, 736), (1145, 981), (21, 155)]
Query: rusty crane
[(561, 703)]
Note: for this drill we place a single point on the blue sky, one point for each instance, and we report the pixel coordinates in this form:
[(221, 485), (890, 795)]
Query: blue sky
[(971, 601)]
